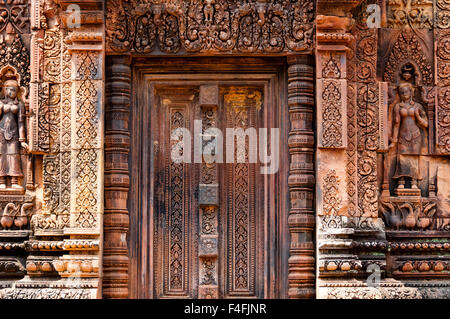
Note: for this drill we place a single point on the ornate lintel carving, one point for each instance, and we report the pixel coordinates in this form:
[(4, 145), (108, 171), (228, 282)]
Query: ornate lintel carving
[(205, 27)]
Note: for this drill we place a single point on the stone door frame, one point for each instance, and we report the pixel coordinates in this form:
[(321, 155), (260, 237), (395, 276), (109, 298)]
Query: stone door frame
[(298, 275)]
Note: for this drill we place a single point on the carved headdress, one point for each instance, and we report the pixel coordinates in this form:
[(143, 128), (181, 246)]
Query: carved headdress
[(408, 85), (10, 79)]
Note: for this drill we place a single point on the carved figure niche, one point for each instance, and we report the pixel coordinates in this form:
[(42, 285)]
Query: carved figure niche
[(408, 126), (408, 200), (409, 121)]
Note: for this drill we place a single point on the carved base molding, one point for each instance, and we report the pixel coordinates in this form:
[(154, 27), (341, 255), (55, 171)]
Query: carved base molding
[(71, 288), (388, 289)]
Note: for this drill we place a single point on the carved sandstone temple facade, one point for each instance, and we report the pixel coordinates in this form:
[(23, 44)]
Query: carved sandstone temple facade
[(93, 206)]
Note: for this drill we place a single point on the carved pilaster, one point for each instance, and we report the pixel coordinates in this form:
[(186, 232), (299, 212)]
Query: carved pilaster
[(442, 14), (117, 143), (301, 177), (347, 211), (67, 127), (331, 93)]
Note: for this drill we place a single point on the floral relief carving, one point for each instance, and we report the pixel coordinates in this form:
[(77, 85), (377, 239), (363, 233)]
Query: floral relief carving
[(361, 120), (331, 199), (209, 195), (365, 56), (209, 272), (16, 214), (351, 165), (410, 215), (15, 15)]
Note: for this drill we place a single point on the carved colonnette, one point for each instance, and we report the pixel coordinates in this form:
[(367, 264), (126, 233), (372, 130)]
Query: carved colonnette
[(301, 177), (349, 241), (441, 14), (117, 142), (331, 96)]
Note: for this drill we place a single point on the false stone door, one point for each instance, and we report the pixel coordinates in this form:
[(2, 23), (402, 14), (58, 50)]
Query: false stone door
[(208, 217)]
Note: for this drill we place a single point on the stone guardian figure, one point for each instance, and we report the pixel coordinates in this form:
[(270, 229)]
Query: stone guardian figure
[(12, 133), (409, 119)]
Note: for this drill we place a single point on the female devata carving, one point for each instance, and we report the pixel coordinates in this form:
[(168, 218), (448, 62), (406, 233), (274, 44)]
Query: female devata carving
[(409, 120), (12, 133)]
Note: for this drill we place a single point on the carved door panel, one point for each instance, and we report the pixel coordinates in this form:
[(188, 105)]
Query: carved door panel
[(175, 221), (208, 217)]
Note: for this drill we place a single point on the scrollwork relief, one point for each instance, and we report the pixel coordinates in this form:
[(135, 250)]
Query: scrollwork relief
[(365, 55), (443, 120), (333, 114), (442, 57), (367, 144), (442, 13)]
